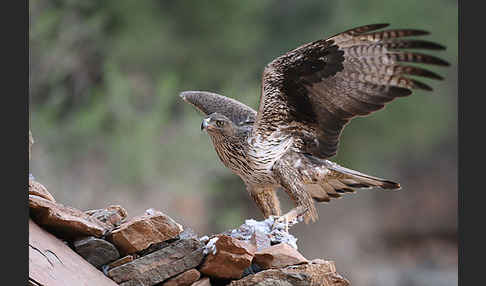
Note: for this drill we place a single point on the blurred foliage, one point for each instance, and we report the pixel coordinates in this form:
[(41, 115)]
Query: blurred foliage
[(105, 78)]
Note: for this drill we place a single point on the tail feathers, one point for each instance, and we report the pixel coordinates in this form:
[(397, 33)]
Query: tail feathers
[(341, 180)]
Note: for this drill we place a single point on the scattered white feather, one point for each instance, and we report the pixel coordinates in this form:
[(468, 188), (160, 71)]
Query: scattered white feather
[(211, 246), (204, 239), (276, 232), (150, 211)]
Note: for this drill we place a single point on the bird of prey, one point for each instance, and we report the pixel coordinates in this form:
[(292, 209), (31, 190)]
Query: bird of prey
[(308, 95)]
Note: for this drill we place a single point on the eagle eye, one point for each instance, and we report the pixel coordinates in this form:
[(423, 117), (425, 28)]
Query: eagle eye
[(219, 123)]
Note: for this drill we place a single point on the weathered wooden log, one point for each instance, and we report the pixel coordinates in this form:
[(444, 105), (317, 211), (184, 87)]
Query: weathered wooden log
[(53, 263)]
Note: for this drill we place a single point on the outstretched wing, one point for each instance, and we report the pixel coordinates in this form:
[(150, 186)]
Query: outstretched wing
[(208, 102), (312, 92)]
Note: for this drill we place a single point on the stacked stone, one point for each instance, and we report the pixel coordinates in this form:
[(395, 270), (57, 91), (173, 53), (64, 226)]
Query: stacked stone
[(153, 249)]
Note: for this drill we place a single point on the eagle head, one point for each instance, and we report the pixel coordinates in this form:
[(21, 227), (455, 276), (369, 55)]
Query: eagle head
[(218, 124)]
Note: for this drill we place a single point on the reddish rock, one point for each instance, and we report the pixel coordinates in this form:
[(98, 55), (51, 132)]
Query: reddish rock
[(121, 261), (203, 282), (37, 189), (298, 275), (231, 258), (65, 222), (112, 215), (142, 231), (160, 265), (278, 256), (183, 279)]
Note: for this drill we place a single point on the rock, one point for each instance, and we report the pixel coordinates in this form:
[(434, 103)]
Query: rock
[(142, 231), (121, 261), (260, 239), (113, 215), (65, 222), (160, 265), (188, 233), (203, 282), (153, 247), (183, 279), (96, 251), (230, 258), (252, 269), (36, 188), (278, 256), (300, 275)]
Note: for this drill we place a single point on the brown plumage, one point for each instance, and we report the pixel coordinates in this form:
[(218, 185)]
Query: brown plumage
[(308, 95)]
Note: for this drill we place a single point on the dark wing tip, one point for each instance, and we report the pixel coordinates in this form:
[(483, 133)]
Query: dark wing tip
[(377, 26), (433, 46), (429, 74), (415, 84), (396, 91), (389, 185), (440, 62), (416, 32), (367, 28)]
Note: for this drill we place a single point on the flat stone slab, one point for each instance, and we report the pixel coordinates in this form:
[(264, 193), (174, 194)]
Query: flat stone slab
[(140, 232), (160, 265), (183, 279), (63, 221), (121, 261), (278, 256)]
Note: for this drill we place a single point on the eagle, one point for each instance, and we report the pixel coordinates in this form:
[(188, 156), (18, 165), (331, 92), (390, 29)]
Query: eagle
[(308, 95)]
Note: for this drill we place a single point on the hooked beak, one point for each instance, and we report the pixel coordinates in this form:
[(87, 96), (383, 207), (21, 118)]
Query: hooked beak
[(204, 123)]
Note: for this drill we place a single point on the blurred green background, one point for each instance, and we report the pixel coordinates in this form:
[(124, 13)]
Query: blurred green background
[(110, 127)]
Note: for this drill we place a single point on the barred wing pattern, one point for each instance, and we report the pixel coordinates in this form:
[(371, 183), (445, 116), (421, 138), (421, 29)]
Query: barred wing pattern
[(313, 91), (208, 102)]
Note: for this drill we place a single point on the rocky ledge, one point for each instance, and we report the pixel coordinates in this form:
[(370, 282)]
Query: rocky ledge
[(153, 249)]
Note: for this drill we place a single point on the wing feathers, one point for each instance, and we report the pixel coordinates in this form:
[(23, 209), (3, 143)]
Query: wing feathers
[(208, 102), (408, 70), (411, 44), (417, 58), (392, 34), (365, 28), (324, 84)]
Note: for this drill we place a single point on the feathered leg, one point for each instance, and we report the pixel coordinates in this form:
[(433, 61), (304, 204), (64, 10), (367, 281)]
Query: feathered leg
[(266, 199), (291, 181)]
